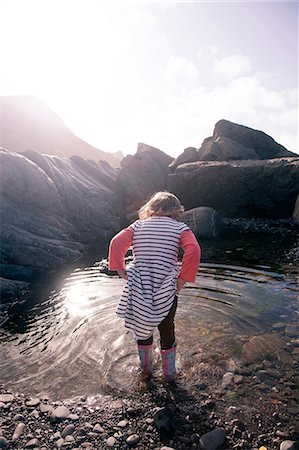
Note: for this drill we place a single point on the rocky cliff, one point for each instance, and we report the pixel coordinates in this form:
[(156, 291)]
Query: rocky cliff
[(52, 209), (27, 123)]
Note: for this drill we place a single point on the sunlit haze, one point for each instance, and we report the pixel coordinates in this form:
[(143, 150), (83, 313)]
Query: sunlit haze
[(162, 73)]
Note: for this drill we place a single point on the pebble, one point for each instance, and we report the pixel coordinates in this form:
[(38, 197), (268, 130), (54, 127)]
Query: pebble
[(32, 402), (60, 413), (289, 445), (166, 448), (18, 431), (3, 442), (60, 442), (73, 417), (133, 439), (98, 428), (213, 439), (111, 441), (122, 423), (293, 410), (6, 398), (45, 408), (69, 429), (32, 443)]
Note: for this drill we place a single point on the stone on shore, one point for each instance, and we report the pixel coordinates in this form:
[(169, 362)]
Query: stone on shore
[(212, 440)]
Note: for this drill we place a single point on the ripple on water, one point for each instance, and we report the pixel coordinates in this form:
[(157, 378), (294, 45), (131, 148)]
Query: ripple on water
[(72, 343)]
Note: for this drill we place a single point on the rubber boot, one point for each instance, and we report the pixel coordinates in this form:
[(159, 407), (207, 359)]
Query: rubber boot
[(168, 363), (146, 359)]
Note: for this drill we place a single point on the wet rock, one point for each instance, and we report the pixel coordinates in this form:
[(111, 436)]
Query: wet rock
[(18, 431), (132, 439), (213, 439), (278, 326), (289, 445), (261, 346), (292, 329)]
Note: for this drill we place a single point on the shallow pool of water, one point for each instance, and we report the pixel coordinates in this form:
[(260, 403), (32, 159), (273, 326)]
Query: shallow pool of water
[(72, 343)]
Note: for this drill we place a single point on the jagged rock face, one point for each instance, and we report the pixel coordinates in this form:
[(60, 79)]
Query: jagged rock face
[(141, 175), (231, 141), (51, 208), (29, 124), (190, 154), (267, 188)]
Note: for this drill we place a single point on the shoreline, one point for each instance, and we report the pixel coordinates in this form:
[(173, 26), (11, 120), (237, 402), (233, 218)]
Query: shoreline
[(252, 406)]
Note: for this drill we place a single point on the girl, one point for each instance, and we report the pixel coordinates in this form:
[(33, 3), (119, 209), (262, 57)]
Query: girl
[(149, 298)]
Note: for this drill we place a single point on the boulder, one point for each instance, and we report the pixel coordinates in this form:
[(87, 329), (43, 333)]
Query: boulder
[(224, 149), (190, 154), (142, 175), (231, 141), (250, 189), (205, 222), (52, 209)]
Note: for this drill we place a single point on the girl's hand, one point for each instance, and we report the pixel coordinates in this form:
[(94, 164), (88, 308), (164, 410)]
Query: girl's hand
[(179, 284), (123, 274)]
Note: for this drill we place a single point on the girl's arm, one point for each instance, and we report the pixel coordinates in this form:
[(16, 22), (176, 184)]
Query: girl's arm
[(118, 248), (190, 260)]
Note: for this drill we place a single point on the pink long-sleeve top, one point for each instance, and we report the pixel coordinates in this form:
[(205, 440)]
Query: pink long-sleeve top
[(121, 242)]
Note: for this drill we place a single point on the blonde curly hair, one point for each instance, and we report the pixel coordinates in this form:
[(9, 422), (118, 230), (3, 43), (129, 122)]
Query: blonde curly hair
[(162, 203)]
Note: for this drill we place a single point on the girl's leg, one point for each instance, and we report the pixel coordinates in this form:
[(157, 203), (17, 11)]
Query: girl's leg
[(145, 355), (166, 327), (168, 345)]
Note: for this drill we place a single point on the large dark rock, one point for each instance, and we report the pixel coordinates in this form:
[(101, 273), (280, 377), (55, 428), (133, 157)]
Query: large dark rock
[(190, 154), (141, 175), (51, 210), (266, 189), (231, 141), (205, 222)]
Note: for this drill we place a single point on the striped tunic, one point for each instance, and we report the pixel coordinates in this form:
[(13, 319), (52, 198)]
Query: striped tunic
[(149, 293)]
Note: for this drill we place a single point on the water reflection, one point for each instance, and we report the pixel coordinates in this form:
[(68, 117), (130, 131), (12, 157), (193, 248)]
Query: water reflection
[(74, 344)]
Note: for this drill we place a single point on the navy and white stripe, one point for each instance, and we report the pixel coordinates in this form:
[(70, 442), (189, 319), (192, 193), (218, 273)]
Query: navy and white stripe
[(149, 293)]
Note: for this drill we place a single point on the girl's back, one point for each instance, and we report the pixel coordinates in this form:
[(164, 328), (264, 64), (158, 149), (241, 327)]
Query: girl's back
[(157, 240)]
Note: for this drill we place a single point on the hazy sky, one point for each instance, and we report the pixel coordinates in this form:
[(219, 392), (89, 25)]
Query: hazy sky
[(162, 73)]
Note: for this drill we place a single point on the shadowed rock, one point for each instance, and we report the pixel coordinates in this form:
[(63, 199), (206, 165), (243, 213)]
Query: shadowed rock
[(51, 209), (141, 175), (266, 189), (231, 141), (205, 222)]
